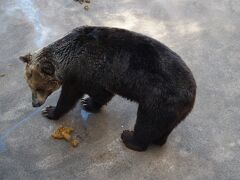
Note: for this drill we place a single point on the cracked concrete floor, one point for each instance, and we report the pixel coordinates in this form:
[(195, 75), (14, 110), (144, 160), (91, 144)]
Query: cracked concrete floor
[(205, 146)]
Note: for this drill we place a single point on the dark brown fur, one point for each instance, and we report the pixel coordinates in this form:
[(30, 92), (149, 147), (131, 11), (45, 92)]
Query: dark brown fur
[(102, 62)]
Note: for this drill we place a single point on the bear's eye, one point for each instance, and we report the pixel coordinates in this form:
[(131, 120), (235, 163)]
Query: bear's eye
[(52, 82)]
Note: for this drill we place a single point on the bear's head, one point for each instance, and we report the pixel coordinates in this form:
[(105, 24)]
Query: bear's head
[(40, 76)]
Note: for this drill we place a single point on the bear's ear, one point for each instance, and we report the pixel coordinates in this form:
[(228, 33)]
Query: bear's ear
[(26, 58), (47, 68)]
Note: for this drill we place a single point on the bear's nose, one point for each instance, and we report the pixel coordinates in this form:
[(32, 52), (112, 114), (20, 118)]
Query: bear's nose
[(34, 104)]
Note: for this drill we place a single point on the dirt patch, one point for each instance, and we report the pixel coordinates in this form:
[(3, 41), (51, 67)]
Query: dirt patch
[(84, 3)]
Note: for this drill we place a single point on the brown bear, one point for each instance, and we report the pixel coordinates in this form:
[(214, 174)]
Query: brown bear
[(102, 62)]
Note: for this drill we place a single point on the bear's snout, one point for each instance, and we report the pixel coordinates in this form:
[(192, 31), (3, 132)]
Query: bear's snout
[(36, 104), (37, 100)]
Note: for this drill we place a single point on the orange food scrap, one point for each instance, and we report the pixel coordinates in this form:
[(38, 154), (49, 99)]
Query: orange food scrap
[(66, 136), (74, 142), (65, 133)]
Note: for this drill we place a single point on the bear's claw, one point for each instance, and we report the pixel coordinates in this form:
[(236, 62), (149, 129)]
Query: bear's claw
[(89, 105), (49, 113)]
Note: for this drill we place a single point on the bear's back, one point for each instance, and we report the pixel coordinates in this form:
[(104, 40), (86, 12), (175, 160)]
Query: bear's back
[(136, 60), (143, 53), (125, 62)]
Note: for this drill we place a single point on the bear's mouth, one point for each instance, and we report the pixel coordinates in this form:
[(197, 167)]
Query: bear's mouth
[(37, 100), (36, 104)]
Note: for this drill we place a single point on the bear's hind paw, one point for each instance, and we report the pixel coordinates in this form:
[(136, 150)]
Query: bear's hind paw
[(128, 139)]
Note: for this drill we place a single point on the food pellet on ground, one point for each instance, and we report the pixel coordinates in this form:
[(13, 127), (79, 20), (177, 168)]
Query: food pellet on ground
[(65, 133)]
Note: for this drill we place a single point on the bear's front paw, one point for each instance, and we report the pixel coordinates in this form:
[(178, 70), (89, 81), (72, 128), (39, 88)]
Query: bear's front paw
[(49, 112), (130, 142), (89, 105)]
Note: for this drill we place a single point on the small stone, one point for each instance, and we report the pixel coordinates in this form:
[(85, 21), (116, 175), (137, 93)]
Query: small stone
[(87, 1), (86, 8), (2, 75), (81, 1)]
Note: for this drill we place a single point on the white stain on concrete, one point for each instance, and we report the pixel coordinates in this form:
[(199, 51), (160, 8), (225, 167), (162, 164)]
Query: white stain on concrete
[(32, 14)]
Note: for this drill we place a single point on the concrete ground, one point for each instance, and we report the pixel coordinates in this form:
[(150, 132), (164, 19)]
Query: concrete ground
[(205, 146)]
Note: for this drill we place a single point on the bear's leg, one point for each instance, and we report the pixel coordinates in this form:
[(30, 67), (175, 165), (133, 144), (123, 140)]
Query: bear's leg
[(143, 133), (68, 98), (152, 126), (167, 122), (96, 100), (160, 141)]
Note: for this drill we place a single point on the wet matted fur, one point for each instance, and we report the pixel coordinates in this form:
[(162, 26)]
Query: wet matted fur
[(102, 62)]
